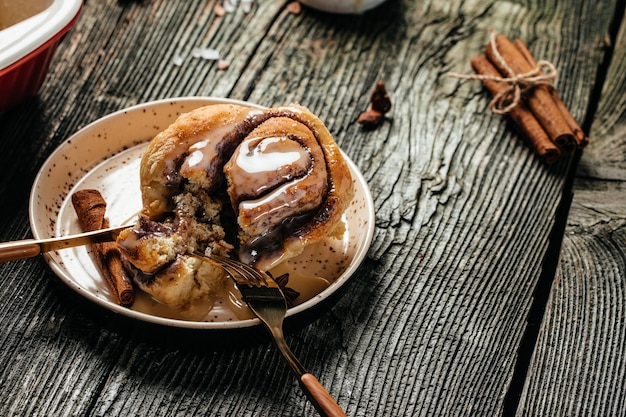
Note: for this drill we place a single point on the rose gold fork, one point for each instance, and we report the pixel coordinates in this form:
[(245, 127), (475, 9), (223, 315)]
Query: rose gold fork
[(267, 302)]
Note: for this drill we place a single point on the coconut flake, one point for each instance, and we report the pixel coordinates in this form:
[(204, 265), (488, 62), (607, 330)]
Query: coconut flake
[(177, 60), (230, 5), (246, 5), (209, 54)]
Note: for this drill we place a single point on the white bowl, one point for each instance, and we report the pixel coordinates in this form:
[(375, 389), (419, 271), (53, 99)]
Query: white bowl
[(28, 43), (343, 6)]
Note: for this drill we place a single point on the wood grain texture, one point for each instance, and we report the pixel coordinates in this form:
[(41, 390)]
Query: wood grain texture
[(430, 324), (605, 158), (579, 363)]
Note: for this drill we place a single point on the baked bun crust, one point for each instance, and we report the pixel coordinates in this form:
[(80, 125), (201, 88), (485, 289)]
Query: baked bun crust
[(276, 174), (161, 164)]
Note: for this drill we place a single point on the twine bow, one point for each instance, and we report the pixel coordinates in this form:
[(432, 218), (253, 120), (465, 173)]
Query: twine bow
[(544, 73)]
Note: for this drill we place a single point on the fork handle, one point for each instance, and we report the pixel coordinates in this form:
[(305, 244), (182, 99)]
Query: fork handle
[(12, 251), (321, 399)]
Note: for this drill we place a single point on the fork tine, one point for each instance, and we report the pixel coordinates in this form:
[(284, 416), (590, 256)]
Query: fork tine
[(235, 269), (253, 276), (267, 301)]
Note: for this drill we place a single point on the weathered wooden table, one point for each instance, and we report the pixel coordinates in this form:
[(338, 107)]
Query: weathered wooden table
[(485, 292)]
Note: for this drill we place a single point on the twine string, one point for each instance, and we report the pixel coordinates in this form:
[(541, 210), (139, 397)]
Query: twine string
[(544, 73)]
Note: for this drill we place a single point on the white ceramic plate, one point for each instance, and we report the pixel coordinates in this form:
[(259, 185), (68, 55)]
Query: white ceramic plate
[(24, 37), (105, 155)]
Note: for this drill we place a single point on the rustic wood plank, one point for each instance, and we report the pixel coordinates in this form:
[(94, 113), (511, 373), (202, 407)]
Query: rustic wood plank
[(431, 323), (579, 362)]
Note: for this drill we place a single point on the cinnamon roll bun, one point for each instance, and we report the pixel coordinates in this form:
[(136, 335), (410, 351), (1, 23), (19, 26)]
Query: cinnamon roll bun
[(260, 185)]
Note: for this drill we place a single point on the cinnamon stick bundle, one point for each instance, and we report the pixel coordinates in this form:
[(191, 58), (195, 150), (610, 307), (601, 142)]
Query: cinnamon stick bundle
[(90, 208), (579, 135), (540, 115), (522, 118)]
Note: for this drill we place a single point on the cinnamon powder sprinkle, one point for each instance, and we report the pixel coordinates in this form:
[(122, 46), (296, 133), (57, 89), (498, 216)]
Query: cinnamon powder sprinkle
[(219, 10), (294, 7)]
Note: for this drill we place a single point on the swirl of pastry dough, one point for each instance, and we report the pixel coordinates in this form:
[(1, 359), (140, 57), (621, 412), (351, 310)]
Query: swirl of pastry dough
[(289, 185), (278, 172), (191, 150)]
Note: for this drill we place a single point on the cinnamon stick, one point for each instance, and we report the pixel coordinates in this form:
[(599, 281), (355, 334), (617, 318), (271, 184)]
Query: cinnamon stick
[(540, 101), (90, 208), (579, 136), (521, 117)]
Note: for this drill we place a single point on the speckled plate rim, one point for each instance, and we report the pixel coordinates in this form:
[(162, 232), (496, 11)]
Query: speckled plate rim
[(42, 228)]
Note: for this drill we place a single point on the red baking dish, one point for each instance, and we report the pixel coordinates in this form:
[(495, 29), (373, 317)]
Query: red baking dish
[(28, 42)]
